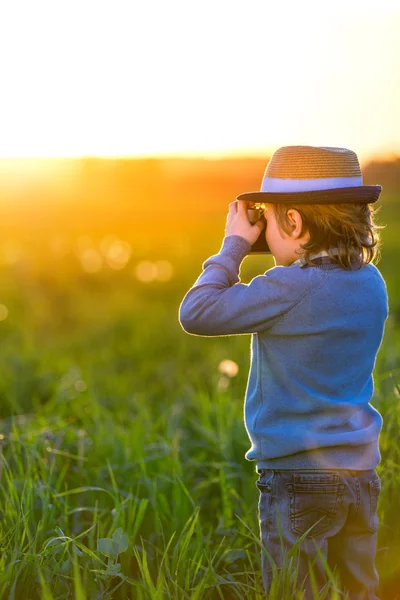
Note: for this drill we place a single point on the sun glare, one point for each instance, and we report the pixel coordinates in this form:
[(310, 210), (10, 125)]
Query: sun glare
[(20, 173), (133, 85)]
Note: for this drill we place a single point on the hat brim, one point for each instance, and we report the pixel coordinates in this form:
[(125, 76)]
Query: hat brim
[(364, 193)]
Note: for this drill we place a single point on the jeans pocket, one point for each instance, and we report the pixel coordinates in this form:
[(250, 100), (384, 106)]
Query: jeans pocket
[(313, 502), (374, 490)]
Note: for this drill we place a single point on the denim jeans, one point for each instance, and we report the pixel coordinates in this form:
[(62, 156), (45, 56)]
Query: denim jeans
[(342, 506)]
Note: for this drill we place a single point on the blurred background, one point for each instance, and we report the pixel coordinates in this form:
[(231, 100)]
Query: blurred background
[(126, 129)]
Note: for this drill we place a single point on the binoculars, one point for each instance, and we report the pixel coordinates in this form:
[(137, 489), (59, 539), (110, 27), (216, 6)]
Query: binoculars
[(254, 213)]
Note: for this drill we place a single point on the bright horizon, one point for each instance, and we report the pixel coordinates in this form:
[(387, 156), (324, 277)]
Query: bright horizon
[(173, 80)]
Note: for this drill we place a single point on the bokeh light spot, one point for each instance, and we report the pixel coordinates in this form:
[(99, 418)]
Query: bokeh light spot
[(146, 271), (164, 270), (228, 367), (91, 260), (118, 254)]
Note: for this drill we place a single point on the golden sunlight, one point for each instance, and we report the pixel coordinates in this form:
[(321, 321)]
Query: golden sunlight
[(90, 80)]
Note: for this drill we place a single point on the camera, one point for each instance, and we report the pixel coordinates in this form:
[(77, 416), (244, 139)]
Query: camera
[(254, 213)]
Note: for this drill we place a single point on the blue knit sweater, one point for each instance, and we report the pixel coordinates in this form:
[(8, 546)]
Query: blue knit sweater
[(315, 332)]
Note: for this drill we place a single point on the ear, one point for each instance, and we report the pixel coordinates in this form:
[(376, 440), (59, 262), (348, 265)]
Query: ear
[(296, 222)]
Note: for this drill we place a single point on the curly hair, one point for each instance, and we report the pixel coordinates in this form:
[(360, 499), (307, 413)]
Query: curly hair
[(349, 227)]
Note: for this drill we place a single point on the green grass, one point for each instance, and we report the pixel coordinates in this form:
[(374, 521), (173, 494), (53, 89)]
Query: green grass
[(123, 472)]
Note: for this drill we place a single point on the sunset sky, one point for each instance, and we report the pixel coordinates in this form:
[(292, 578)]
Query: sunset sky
[(142, 78)]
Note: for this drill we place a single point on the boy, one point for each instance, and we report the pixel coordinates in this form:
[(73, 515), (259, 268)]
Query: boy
[(317, 321)]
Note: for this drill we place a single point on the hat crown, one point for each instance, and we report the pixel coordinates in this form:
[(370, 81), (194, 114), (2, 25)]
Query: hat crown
[(313, 175), (313, 162)]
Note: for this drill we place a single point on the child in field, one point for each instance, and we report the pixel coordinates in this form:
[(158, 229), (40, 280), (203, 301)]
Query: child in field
[(317, 321)]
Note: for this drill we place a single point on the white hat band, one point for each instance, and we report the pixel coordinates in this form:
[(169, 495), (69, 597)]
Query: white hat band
[(275, 184)]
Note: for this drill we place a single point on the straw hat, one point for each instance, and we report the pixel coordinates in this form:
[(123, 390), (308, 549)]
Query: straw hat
[(313, 175)]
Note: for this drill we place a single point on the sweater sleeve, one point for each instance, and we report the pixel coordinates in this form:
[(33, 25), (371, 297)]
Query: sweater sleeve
[(218, 305)]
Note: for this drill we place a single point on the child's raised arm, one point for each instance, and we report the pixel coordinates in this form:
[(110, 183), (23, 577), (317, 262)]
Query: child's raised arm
[(218, 305)]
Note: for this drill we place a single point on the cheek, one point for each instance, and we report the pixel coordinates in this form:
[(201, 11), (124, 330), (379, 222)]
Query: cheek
[(271, 231)]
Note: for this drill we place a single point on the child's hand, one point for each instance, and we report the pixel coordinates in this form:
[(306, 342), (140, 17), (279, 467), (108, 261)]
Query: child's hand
[(237, 222)]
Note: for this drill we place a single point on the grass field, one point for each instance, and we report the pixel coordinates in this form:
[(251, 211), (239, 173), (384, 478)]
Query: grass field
[(123, 472)]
